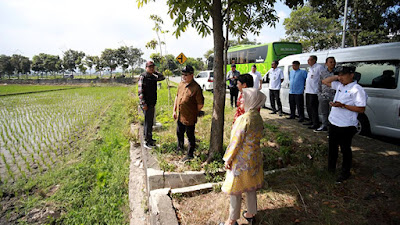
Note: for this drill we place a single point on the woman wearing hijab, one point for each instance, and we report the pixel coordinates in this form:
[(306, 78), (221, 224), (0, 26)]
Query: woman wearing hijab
[(243, 159)]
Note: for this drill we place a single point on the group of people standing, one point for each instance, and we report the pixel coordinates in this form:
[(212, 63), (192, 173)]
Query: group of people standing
[(324, 88)]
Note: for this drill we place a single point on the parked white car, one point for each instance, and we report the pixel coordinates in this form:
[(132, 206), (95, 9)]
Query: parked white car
[(205, 79)]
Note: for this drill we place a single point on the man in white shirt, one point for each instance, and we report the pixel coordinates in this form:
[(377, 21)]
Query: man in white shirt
[(350, 100), (256, 77), (275, 76), (312, 88)]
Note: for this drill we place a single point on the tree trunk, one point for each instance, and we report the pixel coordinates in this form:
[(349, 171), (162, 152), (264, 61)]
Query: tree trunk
[(217, 125)]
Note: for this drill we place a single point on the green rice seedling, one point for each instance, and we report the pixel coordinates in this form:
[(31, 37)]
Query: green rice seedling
[(21, 171), (44, 161), (27, 164), (9, 171)]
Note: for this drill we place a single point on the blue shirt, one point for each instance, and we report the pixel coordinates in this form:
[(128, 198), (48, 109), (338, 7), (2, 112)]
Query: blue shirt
[(297, 81)]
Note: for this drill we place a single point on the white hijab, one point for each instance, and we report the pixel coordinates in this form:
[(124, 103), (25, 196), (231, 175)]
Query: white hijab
[(252, 99)]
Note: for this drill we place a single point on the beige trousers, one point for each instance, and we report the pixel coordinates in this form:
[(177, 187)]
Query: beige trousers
[(236, 202)]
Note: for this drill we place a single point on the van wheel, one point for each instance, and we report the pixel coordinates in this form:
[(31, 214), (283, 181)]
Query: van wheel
[(363, 127)]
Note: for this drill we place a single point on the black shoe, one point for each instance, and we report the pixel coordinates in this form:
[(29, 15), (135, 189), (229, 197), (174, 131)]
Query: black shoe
[(150, 144), (251, 220), (321, 129), (280, 114), (342, 177), (223, 223), (308, 123), (300, 120), (290, 118), (273, 112), (312, 127), (187, 158)]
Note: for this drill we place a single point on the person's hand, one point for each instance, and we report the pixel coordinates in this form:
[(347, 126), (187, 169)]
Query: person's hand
[(145, 107), (228, 165), (336, 104), (174, 115)]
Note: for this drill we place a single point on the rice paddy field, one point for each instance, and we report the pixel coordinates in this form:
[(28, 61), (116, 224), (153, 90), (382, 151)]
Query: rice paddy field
[(37, 130), (65, 149)]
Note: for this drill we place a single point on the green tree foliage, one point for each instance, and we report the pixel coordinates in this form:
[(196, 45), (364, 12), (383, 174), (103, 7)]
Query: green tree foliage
[(89, 62), (38, 63), (209, 17), (369, 22), (129, 57), (197, 64), (20, 64), (5, 66), (109, 58), (312, 30), (72, 59), (45, 63)]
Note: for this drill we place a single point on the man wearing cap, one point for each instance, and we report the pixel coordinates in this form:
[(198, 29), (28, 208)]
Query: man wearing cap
[(232, 77), (350, 99), (275, 75), (147, 92), (189, 101), (312, 87), (256, 77)]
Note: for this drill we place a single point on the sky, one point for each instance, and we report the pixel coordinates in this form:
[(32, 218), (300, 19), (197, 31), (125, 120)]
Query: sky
[(30, 27)]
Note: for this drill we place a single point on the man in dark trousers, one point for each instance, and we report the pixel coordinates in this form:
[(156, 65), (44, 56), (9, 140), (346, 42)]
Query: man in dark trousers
[(232, 77), (297, 78), (189, 101), (147, 91)]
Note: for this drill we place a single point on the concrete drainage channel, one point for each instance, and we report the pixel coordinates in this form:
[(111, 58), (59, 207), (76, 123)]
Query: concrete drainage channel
[(160, 186), (147, 183)]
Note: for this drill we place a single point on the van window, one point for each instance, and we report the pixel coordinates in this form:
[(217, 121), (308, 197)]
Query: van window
[(211, 74), (377, 74)]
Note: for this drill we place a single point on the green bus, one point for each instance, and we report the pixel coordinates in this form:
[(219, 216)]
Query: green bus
[(244, 56)]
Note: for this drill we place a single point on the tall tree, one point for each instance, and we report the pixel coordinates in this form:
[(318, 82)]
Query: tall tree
[(368, 21), (21, 64), (313, 30), (51, 63), (109, 59), (5, 66), (72, 59), (38, 63), (89, 62), (240, 18)]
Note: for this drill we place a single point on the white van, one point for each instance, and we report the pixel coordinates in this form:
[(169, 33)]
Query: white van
[(382, 114), (205, 79)]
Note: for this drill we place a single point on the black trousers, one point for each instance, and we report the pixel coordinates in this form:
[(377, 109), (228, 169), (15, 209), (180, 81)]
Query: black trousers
[(180, 133), (148, 123), (296, 101), (234, 96), (274, 96), (312, 108), (340, 136)]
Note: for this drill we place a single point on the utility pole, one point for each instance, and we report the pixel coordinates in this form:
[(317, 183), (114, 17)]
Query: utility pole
[(344, 23)]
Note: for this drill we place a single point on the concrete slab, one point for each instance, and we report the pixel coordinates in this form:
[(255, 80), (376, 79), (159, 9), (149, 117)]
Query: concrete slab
[(162, 210), (137, 189)]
